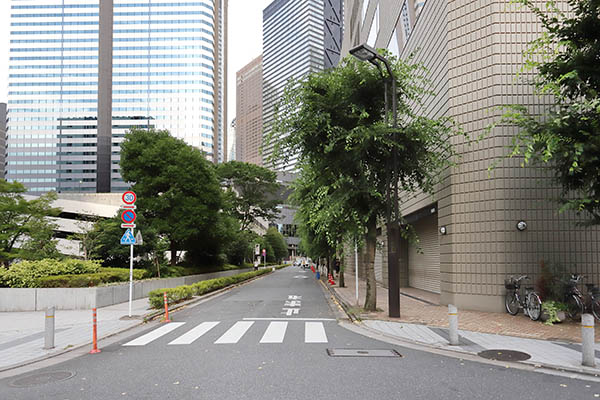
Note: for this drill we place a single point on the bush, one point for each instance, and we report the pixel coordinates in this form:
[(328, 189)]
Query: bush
[(106, 275), (186, 292), (27, 274)]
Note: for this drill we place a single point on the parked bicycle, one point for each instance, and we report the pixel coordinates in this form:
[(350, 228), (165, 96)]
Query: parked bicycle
[(530, 303), (576, 302)]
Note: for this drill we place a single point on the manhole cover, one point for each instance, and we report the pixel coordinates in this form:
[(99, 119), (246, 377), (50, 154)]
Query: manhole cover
[(42, 379), (362, 353), (504, 355)]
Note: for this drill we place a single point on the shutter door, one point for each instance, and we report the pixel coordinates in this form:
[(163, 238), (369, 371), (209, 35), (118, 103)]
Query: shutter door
[(424, 268)]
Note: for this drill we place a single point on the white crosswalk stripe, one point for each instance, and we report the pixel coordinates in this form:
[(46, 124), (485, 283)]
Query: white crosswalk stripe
[(274, 333), (314, 332), (155, 334), (195, 333), (235, 333)]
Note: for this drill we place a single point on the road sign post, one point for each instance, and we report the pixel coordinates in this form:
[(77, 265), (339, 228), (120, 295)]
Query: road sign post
[(128, 216)]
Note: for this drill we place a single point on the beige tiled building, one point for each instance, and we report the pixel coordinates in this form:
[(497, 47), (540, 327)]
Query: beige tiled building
[(249, 115), (473, 52)]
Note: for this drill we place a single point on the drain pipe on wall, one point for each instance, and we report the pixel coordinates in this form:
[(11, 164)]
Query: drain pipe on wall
[(356, 269)]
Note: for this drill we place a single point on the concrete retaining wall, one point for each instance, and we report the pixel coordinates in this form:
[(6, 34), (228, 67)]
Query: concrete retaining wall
[(37, 299)]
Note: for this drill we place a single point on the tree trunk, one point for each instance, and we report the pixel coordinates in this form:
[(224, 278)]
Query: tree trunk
[(173, 255), (371, 297)]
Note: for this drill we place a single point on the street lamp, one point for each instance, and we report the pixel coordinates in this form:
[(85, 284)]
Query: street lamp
[(367, 53)]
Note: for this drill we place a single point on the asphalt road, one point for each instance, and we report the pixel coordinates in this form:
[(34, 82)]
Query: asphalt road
[(244, 345)]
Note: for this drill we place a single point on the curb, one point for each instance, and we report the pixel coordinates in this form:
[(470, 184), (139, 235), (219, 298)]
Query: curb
[(356, 320), (146, 318)]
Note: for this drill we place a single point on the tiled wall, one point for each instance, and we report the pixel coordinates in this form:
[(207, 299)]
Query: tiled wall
[(473, 50)]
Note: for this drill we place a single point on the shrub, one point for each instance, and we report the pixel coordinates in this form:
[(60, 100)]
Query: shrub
[(186, 292), (106, 275), (28, 273)]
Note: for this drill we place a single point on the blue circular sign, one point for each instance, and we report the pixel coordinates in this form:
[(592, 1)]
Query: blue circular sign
[(128, 216)]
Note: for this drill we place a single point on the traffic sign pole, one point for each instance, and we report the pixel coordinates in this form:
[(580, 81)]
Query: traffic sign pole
[(130, 275)]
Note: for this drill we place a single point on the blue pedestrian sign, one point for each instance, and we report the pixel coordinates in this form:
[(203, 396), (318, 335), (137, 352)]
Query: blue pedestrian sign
[(128, 237)]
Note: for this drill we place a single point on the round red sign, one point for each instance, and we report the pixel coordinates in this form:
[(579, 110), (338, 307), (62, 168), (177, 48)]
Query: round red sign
[(128, 216), (129, 197)]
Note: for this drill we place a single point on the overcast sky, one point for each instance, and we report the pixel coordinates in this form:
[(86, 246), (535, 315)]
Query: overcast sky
[(245, 42)]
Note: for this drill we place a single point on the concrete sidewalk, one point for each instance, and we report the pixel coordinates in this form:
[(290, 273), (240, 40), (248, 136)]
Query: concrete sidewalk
[(424, 322), (22, 333)]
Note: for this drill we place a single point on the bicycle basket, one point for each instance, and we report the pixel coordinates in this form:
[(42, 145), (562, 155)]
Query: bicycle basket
[(510, 284)]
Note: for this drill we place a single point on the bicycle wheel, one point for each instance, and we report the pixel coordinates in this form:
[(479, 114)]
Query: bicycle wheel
[(512, 303), (596, 308), (574, 306), (534, 306)]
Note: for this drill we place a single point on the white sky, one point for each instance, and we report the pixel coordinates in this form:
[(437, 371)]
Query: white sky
[(245, 42)]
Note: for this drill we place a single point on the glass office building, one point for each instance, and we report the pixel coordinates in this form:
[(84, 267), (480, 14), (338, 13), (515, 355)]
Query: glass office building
[(293, 46), (84, 72)]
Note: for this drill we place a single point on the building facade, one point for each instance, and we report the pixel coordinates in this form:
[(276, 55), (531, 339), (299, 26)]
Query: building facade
[(248, 122), (84, 72), (473, 52), (295, 43), (2, 138)]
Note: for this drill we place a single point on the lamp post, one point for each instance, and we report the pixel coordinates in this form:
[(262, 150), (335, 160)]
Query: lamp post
[(367, 53)]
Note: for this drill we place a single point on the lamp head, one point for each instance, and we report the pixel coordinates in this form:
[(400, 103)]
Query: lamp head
[(364, 52)]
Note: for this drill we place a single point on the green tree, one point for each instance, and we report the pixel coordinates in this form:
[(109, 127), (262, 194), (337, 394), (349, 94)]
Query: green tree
[(25, 231), (278, 243), (564, 61), (333, 122), (252, 191), (178, 192)]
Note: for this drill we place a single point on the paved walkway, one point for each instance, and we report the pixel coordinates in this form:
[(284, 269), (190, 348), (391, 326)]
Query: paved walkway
[(425, 322), (22, 333)]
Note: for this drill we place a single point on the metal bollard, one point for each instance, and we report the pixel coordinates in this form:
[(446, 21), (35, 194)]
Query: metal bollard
[(95, 349), (49, 329), (587, 341), (166, 307), (453, 324)]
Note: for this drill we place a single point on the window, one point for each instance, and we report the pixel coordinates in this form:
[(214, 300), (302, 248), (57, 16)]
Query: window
[(405, 21), (418, 6), (393, 46), (373, 33)]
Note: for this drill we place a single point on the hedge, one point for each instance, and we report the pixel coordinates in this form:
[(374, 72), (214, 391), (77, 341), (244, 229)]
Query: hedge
[(186, 292), (28, 273), (106, 275)]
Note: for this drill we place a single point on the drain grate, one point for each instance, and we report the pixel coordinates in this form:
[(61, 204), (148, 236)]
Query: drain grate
[(42, 379), (504, 355), (362, 353)]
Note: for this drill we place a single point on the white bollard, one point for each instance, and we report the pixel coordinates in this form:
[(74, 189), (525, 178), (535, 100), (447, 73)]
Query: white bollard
[(453, 323), (49, 329), (587, 341)]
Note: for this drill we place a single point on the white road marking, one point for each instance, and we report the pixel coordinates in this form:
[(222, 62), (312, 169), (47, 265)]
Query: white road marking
[(235, 333), (195, 333), (290, 311), (294, 297), (314, 332), (300, 277), (155, 334), (293, 303), (289, 319), (275, 332)]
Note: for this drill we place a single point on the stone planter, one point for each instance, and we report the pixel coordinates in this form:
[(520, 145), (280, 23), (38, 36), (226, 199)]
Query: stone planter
[(561, 315)]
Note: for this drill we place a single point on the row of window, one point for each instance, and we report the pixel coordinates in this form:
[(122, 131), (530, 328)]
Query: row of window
[(171, 4), (115, 31), (126, 57), (115, 66), (116, 83), (95, 40), (116, 14), (82, 23), (115, 48)]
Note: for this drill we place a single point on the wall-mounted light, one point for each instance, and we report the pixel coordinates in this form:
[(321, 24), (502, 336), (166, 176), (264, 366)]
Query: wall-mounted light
[(521, 225), (443, 230)]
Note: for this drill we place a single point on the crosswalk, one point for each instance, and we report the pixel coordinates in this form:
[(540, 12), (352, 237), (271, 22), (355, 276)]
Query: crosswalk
[(275, 332)]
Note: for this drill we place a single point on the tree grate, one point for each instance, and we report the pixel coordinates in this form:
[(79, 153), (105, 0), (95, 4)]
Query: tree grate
[(362, 353)]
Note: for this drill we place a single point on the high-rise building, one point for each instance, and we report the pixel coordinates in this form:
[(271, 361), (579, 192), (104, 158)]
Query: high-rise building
[(480, 226), (2, 138), (84, 72), (248, 122), (299, 37)]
